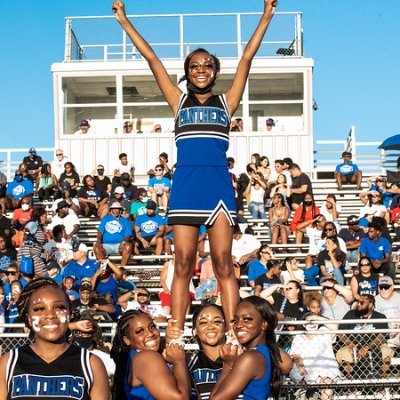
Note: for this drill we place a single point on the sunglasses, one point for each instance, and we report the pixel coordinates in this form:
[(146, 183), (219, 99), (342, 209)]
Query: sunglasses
[(158, 169), (11, 273), (365, 265), (99, 170), (143, 295), (328, 230), (384, 287), (59, 154)]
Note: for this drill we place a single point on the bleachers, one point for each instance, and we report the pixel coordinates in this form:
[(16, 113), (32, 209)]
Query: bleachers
[(348, 199), (144, 271)]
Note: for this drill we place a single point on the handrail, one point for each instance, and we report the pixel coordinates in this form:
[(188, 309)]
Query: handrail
[(78, 49)]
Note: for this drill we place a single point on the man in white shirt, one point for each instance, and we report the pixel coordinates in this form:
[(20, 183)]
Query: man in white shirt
[(57, 165), (65, 217), (387, 302), (244, 246)]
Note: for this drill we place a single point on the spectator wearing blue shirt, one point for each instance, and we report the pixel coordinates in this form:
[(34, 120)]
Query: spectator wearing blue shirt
[(68, 284), (347, 172), (11, 311), (82, 266), (378, 183), (259, 267), (53, 271), (159, 187), (149, 229), (12, 275), (377, 249), (114, 235), (17, 189)]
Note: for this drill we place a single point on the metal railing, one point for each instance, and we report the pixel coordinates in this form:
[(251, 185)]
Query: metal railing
[(370, 159), (182, 36), (11, 158), (331, 369)]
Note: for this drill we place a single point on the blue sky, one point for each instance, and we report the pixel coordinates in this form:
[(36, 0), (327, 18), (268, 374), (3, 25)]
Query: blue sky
[(354, 44)]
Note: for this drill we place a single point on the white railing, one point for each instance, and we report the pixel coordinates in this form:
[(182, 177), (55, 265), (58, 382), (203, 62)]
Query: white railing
[(144, 149), (181, 37), (370, 159), (11, 158)]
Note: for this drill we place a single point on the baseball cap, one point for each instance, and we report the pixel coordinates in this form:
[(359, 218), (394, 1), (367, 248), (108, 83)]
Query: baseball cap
[(352, 220), (119, 190), (32, 150), (326, 278), (125, 176), (116, 204), (386, 280), (52, 264), (80, 247), (61, 205), (86, 285), (84, 122), (151, 205)]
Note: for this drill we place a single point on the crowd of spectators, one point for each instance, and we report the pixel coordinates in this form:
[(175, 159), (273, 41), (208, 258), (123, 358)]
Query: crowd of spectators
[(352, 263)]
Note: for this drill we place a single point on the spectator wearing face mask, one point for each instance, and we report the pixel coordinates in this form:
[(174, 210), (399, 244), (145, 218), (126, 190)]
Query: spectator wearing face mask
[(138, 207), (16, 190), (23, 214), (313, 356), (101, 181), (33, 163)]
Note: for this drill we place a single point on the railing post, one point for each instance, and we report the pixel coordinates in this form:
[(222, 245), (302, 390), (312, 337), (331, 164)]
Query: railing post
[(124, 50), (353, 148), (239, 35), (9, 166), (181, 34), (68, 49), (299, 35)]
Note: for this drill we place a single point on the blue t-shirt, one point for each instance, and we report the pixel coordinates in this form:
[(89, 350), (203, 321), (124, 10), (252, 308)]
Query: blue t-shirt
[(19, 189), (387, 196), (58, 278), (7, 288), (149, 225), (159, 184), (7, 258), (11, 314), (115, 230), (346, 168), (86, 270), (375, 250), (256, 269)]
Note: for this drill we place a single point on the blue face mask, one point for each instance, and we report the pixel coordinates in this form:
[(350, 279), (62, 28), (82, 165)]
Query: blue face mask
[(18, 178)]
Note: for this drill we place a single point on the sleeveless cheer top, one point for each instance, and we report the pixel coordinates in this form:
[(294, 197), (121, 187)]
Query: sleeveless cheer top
[(202, 186), (259, 389), (135, 392), (68, 377)]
